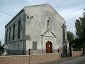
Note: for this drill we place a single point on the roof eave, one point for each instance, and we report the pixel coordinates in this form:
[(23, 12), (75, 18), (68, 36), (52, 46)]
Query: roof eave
[(14, 17)]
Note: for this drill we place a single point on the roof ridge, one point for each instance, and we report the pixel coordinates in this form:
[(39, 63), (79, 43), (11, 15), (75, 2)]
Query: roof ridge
[(36, 5)]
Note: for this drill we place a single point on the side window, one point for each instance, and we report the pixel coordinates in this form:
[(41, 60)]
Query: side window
[(19, 28), (9, 33), (6, 35), (34, 45), (13, 31)]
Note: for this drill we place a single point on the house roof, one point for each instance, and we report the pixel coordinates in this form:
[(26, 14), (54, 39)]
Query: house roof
[(15, 17)]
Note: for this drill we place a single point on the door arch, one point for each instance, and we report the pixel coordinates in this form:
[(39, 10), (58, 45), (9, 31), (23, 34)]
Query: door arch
[(48, 47)]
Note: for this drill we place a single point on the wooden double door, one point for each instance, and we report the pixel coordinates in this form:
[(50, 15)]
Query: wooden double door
[(48, 47)]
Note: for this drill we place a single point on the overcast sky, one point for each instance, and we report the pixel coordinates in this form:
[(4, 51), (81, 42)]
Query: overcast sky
[(70, 10)]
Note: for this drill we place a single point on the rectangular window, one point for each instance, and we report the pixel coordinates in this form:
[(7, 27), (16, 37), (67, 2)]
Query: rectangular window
[(13, 31), (34, 45), (6, 35), (9, 33), (19, 28)]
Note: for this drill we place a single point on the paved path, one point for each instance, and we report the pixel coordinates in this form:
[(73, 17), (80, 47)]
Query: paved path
[(69, 60)]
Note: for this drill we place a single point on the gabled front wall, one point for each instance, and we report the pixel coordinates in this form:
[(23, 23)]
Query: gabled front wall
[(36, 25)]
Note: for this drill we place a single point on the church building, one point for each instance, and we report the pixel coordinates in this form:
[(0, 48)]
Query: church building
[(37, 27)]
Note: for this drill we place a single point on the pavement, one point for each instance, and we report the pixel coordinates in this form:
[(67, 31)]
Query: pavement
[(68, 60)]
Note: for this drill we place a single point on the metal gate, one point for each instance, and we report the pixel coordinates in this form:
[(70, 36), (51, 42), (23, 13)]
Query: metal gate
[(66, 52)]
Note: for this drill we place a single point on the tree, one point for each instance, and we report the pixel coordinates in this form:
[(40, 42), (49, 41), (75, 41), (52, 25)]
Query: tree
[(83, 47), (0, 43), (1, 49), (77, 43), (80, 28), (80, 31), (70, 36)]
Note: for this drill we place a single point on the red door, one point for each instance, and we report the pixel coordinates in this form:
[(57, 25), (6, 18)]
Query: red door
[(48, 47)]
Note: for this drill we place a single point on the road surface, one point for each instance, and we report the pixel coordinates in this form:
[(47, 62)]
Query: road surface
[(68, 60), (77, 61)]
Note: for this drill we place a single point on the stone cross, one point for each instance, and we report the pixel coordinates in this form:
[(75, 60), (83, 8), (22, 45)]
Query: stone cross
[(5, 53)]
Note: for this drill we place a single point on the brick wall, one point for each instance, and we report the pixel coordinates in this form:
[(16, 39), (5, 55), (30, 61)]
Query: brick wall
[(77, 53), (14, 59), (25, 59), (30, 59), (44, 58)]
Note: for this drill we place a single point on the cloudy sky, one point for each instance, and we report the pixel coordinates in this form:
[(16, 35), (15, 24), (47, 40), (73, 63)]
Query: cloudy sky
[(70, 10)]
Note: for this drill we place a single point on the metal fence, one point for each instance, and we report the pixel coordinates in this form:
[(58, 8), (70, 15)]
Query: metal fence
[(77, 49), (66, 52)]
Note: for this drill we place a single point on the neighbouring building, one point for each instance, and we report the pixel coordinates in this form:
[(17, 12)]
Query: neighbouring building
[(37, 27)]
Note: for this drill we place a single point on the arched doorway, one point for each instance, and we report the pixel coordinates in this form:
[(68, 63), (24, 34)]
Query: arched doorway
[(48, 47)]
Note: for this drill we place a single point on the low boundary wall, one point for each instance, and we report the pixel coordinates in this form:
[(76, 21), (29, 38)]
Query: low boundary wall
[(77, 53), (30, 59), (35, 59)]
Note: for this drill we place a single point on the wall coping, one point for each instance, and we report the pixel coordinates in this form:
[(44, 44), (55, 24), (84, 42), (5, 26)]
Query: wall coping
[(46, 54), (77, 51), (14, 55), (29, 55)]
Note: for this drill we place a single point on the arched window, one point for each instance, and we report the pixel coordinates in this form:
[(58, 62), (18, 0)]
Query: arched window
[(9, 33), (6, 35), (47, 23), (13, 31), (19, 28)]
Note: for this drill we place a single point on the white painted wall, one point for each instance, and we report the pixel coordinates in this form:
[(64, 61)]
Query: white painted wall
[(37, 25)]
